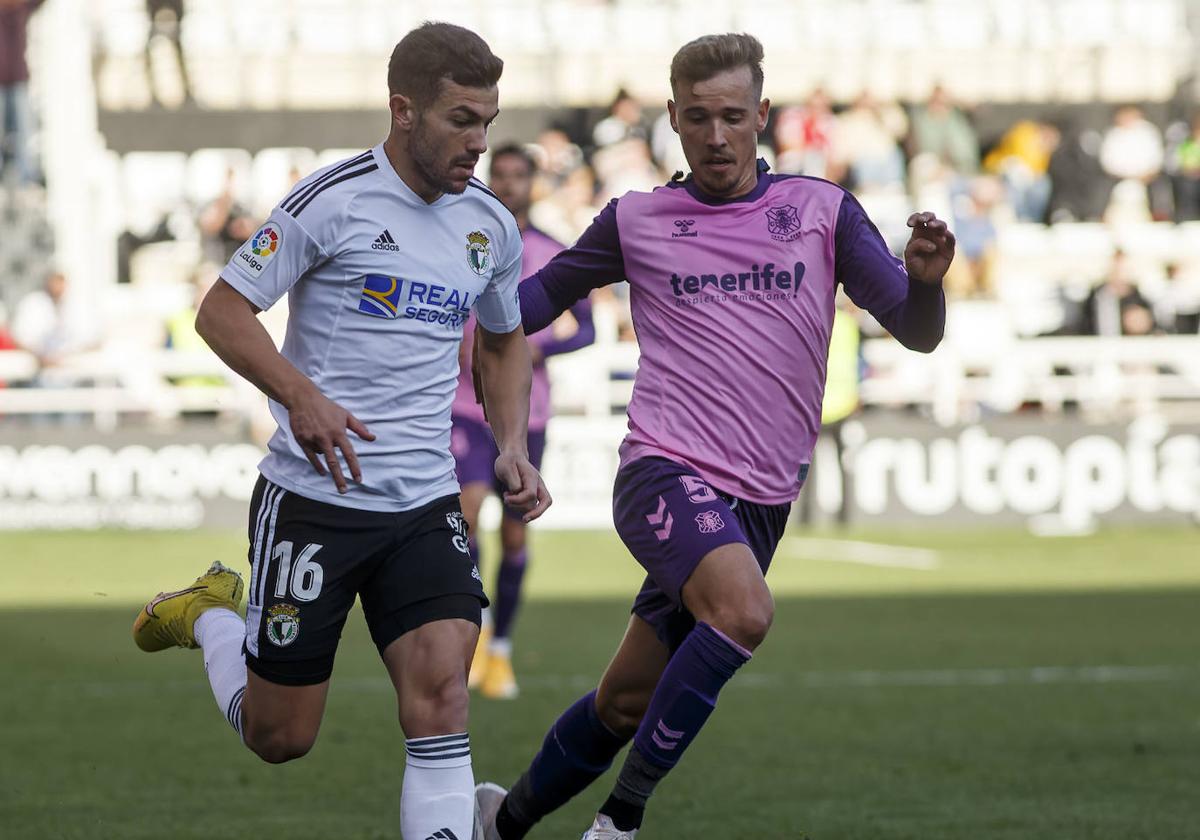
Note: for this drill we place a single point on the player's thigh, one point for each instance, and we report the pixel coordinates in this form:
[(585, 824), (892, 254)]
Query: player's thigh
[(428, 667), (423, 605), (670, 519), (727, 591), (631, 677)]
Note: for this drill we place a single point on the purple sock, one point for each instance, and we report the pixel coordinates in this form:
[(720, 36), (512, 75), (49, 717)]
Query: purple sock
[(508, 592), (577, 750), (683, 700)]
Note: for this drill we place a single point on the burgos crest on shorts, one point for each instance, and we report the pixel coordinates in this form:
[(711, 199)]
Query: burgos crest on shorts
[(283, 624), (709, 522), (478, 256), (783, 222)]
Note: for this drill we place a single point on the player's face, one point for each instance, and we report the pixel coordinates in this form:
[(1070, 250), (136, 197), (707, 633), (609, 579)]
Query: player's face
[(718, 121), (512, 182), (450, 134)]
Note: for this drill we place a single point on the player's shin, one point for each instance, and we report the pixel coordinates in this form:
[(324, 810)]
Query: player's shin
[(220, 633), (685, 697), (577, 750), (438, 797)]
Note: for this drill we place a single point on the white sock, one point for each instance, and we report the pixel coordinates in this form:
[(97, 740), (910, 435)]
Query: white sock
[(220, 633), (438, 798), (500, 647)]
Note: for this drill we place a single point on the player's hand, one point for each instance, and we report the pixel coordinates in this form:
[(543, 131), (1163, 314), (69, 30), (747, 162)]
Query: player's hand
[(319, 425), (526, 490), (930, 250)]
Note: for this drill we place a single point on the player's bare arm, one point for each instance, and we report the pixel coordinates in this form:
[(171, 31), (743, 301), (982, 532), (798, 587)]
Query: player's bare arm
[(505, 374), (228, 322)]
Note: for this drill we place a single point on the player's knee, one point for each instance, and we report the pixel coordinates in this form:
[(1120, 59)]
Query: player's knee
[(746, 624), (621, 711), (439, 706), (278, 745)]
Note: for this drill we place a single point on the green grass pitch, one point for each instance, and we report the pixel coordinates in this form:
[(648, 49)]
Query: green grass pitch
[(991, 686)]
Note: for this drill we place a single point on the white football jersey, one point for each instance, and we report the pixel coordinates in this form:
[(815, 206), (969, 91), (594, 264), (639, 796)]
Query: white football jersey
[(379, 286)]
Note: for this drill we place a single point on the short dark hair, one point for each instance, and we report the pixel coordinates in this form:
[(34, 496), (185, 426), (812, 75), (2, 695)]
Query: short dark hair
[(515, 150), (705, 57), (435, 51)]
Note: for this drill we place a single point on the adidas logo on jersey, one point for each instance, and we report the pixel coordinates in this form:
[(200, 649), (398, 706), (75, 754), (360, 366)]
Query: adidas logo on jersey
[(384, 242), (442, 834)]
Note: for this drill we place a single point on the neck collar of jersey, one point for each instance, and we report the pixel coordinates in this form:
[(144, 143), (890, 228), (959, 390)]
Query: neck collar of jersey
[(404, 190), (764, 181)]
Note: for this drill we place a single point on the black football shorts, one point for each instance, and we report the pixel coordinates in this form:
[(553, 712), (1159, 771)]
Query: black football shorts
[(309, 560)]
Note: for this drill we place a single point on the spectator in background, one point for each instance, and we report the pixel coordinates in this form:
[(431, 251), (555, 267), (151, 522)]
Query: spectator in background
[(181, 332), (51, 325), (1185, 159), (557, 157), (976, 234), (624, 121), (166, 20), (1022, 160), (941, 129), (866, 144), (1107, 308), (225, 224), (1132, 150), (664, 145), (624, 166), (1177, 307), (16, 114), (1079, 186), (6, 340), (804, 138)]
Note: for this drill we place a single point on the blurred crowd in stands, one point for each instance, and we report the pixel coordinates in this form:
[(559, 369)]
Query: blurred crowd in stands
[(895, 157)]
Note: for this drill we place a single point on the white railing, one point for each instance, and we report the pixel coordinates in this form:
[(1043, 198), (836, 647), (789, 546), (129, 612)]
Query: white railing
[(955, 382)]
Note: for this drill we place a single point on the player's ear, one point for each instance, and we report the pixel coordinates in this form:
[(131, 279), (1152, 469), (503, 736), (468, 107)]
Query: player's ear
[(403, 112), (764, 110), (673, 115)]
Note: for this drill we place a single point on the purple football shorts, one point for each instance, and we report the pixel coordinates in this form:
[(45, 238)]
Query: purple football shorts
[(669, 518)]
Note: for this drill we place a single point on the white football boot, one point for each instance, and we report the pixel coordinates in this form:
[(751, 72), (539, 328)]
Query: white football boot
[(603, 829), (488, 797)]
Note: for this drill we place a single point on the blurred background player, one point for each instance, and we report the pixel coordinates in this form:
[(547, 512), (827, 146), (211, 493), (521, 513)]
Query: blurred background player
[(512, 174), (734, 324)]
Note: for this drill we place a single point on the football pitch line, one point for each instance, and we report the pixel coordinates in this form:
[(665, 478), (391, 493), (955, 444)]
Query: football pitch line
[(864, 679), (865, 553)]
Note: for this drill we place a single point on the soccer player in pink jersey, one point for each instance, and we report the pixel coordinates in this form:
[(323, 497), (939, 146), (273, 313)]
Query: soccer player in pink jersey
[(471, 442), (732, 275)]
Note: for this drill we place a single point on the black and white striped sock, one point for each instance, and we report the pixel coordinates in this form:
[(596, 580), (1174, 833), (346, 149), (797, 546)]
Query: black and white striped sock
[(438, 798)]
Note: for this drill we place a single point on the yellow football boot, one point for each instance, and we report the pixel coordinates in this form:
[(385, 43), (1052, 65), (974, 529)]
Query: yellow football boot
[(479, 662), (499, 681), (167, 620)]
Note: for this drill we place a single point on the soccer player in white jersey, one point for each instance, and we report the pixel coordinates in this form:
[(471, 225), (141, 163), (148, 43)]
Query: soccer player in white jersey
[(733, 273), (383, 257)]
